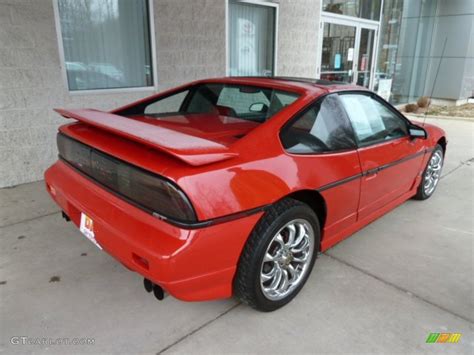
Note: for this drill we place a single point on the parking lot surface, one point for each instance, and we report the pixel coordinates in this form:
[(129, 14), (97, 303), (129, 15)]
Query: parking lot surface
[(385, 289)]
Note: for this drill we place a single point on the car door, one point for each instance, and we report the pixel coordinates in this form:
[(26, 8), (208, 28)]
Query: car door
[(389, 157), (321, 142)]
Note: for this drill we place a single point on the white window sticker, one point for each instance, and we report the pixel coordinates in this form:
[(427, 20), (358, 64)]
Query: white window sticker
[(350, 55)]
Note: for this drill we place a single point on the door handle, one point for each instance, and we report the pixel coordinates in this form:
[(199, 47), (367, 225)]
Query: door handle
[(371, 173)]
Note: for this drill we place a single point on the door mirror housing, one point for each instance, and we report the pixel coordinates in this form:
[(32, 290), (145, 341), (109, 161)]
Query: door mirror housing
[(417, 132)]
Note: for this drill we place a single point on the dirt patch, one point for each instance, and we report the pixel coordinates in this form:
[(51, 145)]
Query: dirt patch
[(55, 279), (466, 110)]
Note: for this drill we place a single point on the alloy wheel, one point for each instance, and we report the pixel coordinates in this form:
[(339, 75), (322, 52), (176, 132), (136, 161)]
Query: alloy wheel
[(433, 172), (287, 259)]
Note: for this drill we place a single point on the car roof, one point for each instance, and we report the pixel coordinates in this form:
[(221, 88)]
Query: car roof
[(298, 83)]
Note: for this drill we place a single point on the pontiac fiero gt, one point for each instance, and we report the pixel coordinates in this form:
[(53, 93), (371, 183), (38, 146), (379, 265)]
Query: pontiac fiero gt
[(232, 186)]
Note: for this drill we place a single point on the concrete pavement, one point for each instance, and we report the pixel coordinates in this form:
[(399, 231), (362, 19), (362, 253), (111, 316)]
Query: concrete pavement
[(384, 289)]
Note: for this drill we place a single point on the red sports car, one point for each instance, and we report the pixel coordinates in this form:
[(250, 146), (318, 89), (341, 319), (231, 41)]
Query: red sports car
[(233, 185)]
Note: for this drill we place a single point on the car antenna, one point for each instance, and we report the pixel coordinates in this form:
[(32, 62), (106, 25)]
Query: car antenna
[(436, 77)]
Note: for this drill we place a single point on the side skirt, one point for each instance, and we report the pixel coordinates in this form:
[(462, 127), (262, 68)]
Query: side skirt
[(330, 241)]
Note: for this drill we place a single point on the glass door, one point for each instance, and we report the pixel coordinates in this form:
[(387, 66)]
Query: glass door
[(347, 51), (365, 57), (337, 54)]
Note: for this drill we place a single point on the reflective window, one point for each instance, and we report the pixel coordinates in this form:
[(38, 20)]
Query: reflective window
[(410, 45), (251, 39), (372, 120), (106, 43), (244, 102), (322, 128), (170, 104), (337, 52), (368, 9)]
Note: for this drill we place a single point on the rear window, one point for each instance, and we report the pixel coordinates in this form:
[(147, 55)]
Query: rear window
[(250, 103)]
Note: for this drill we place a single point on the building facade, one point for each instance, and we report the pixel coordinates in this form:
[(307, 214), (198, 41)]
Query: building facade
[(105, 53)]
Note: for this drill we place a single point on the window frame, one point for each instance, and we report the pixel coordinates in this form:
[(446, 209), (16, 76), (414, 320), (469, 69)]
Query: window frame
[(301, 113), (274, 5), (62, 61), (387, 105)]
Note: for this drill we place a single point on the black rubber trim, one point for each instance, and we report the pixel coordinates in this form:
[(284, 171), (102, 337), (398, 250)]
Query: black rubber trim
[(372, 171), (339, 182)]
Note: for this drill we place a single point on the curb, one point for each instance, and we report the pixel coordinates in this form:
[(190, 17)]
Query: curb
[(449, 118)]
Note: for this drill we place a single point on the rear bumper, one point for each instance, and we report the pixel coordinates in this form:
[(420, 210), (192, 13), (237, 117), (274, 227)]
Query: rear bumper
[(190, 264)]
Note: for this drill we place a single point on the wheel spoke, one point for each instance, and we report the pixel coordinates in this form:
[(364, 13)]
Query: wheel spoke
[(299, 237), (292, 273), (291, 235), (302, 259), (279, 240), (286, 281), (277, 279), (304, 245), (268, 257), (269, 276)]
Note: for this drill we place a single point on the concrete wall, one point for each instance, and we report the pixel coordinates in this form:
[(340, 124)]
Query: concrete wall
[(191, 41), (190, 38), (298, 37)]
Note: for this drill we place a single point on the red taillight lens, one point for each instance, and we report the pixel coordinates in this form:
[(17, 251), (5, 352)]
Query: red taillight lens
[(151, 192)]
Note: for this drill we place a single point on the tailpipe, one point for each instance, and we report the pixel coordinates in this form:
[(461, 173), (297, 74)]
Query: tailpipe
[(157, 289)]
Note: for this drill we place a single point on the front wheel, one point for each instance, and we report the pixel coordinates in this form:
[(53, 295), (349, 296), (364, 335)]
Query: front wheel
[(431, 174), (279, 256)]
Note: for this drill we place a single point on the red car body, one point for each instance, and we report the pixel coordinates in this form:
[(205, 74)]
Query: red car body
[(230, 182)]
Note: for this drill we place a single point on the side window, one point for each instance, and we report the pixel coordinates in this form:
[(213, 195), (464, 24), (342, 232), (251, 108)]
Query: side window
[(280, 100), (373, 122), (170, 104), (322, 128)]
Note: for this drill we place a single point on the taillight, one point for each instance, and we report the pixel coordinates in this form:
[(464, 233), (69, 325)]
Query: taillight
[(151, 192)]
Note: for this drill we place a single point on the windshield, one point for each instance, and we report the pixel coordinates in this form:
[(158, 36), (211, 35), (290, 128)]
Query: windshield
[(250, 103)]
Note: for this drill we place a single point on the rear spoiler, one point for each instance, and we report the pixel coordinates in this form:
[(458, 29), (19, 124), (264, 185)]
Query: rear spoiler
[(192, 150)]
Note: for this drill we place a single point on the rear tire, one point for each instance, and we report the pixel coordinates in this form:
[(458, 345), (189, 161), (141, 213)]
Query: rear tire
[(431, 174), (278, 256)]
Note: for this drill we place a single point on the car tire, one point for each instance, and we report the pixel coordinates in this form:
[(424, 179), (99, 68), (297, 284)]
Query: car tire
[(431, 174), (278, 256)]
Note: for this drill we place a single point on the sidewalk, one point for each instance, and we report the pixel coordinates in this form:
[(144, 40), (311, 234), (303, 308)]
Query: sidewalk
[(385, 289)]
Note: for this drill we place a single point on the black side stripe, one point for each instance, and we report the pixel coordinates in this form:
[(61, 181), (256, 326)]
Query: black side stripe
[(339, 182), (372, 171), (213, 221)]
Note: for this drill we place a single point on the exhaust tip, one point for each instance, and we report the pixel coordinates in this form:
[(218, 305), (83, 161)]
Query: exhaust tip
[(65, 216), (148, 285), (158, 292)]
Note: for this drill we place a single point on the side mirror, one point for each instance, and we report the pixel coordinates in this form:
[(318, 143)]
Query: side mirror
[(417, 132), (258, 107)]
